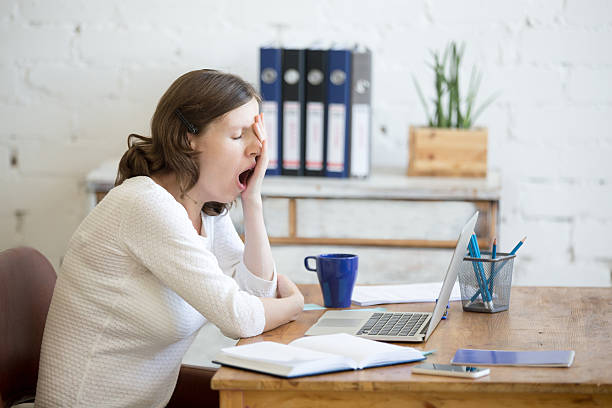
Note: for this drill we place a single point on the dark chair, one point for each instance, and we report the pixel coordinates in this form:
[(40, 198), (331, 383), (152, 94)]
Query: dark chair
[(193, 389), (27, 280)]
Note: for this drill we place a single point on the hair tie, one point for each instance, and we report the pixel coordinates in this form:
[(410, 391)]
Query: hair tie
[(190, 126)]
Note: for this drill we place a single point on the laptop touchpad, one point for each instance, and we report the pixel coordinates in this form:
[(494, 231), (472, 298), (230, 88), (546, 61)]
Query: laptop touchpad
[(339, 322)]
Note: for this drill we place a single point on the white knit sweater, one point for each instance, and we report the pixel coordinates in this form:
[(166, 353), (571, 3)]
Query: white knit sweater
[(136, 284)]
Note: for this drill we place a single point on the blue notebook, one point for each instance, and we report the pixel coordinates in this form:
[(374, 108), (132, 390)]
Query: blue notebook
[(552, 358)]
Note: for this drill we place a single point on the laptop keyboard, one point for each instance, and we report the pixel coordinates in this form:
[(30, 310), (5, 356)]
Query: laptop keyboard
[(393, 324)]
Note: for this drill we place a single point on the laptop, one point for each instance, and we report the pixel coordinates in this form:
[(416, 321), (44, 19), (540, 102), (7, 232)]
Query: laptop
[(398, 326)]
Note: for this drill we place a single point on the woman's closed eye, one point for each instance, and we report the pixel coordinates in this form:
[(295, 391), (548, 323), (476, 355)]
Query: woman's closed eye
[(242, 134)]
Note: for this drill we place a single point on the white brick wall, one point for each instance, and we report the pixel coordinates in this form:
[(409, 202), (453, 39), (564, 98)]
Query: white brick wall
[(76, 77)]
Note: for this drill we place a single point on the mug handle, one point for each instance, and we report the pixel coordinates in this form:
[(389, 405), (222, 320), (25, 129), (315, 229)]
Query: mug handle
[(306, 263)]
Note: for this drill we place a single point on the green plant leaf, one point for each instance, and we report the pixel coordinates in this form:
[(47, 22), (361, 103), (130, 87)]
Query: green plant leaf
[(422, 98), (475, 81), (446, 68), (486, 103)]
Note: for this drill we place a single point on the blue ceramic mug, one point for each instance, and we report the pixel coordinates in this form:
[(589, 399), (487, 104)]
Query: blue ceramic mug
[(337, 274)]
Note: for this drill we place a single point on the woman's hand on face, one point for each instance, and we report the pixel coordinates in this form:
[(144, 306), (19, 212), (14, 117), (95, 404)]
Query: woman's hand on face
[(253, 189)]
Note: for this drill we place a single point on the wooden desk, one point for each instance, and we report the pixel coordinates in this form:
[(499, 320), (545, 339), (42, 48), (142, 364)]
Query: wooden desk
[(539, 319)]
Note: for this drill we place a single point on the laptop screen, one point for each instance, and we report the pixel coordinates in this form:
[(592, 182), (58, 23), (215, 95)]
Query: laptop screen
[(451, 273)]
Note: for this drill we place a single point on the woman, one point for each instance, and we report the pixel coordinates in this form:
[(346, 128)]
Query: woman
[(159, 256)]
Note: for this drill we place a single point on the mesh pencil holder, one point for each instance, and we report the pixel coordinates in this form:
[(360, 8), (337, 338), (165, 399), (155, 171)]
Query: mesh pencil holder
[(492, 275)]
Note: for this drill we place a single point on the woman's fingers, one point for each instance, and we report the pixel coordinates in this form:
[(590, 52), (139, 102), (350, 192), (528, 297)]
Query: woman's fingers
[(262, 160), (254, 183), (260, 130), (263, 127)]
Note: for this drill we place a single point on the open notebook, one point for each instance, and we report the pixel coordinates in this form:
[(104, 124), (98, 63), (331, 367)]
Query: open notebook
[(316, 355)]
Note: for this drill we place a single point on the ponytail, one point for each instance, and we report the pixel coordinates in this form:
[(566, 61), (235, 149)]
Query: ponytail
[(140, 160), (137, 160)]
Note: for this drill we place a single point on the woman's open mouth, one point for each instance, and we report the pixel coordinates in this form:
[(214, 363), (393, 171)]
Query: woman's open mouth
[(243, 178)]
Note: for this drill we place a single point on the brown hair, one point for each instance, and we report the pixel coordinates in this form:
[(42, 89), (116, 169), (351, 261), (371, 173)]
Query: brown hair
[(199, 97)]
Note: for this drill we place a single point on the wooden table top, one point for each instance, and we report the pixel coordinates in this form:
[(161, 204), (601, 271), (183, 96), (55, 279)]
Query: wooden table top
[(539, 318)]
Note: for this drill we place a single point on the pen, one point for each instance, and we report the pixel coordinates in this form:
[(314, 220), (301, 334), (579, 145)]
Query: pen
[(428, 352)]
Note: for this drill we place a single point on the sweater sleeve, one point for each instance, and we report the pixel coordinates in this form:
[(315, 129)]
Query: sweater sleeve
[(229, 250), (158, 233)]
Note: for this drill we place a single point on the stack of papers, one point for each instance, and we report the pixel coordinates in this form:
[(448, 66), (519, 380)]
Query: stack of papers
[(414, 293)]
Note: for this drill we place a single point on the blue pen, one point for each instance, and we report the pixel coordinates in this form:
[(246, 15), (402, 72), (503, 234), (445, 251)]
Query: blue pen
[(474, 252), (445, 315)]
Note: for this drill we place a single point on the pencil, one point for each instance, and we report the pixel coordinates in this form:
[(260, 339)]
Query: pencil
[(489, 283), (518, 246), (493, 255), (513, 252), (479, 272), (494, 248)]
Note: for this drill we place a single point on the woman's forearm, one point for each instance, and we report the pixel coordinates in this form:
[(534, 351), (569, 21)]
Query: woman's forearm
[(281, 311), (257, 253)]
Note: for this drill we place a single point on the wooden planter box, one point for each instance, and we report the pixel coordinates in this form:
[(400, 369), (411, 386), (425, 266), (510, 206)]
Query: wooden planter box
[(447, 152)]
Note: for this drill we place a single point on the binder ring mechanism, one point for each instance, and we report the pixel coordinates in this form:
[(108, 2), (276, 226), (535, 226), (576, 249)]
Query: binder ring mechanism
[(445, 315)]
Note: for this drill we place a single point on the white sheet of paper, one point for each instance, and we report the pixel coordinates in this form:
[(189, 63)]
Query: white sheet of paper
[(413, 293)]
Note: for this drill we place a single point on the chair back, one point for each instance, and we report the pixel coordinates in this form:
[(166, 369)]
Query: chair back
[(27, 280)]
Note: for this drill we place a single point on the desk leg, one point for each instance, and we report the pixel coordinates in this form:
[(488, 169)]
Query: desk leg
[(231, 399)]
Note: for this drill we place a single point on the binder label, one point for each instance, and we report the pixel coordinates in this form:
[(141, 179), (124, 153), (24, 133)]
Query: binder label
[(314, 135), (335, 134), (291, 135), (270, 111), (360, 132)]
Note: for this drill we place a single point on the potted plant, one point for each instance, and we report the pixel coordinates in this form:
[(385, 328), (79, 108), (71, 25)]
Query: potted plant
[(450, 145)]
